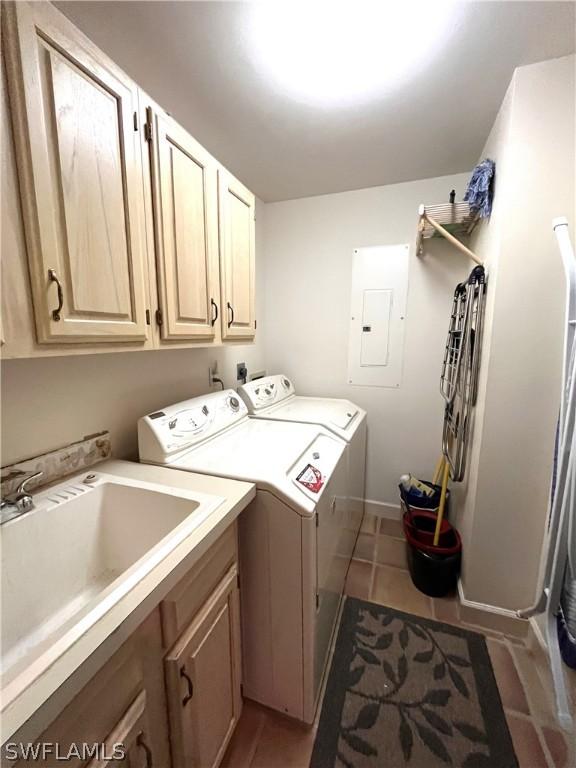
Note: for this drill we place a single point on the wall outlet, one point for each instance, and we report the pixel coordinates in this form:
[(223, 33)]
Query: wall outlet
[(241, 372)]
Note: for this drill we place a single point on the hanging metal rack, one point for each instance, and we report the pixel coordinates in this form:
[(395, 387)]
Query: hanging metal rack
[(459, 377), (448, 220)]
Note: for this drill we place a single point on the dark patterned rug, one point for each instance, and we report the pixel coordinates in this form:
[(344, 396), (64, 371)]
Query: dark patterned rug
[(405, 691)]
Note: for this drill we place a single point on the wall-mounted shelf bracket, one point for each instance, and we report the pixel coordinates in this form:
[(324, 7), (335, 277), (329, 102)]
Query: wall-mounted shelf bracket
[(447, 220)]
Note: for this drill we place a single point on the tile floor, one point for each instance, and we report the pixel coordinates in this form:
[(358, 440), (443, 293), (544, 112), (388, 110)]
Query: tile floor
[(267, 739)]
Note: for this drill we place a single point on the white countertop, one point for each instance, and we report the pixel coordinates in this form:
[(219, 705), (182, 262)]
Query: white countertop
[(48, 690)]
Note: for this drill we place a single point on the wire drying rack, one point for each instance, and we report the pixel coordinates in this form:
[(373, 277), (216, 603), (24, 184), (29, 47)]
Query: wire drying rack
[(450, 221), (459, 377)]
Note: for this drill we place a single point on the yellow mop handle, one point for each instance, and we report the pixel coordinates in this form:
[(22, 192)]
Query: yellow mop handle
[(438, 470), (442, 503)]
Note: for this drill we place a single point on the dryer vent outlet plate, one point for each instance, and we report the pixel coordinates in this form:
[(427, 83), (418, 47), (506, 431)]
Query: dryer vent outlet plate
[(241, 372)]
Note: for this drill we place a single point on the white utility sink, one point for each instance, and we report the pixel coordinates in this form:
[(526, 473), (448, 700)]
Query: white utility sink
[(86, 544)]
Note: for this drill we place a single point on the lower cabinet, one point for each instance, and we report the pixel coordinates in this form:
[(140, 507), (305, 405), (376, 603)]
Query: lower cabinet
[(170, 695), (123, 705), (203, 680)]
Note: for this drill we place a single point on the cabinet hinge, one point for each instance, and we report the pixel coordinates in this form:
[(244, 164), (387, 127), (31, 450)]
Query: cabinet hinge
[(317, 601), (147, 317), (135, 121), (255, 324), (159, 318), (317, 523), (238, 580), (148, 130)]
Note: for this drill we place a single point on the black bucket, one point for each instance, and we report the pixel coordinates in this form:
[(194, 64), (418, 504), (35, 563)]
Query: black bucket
[(434, 570), (433, 574)]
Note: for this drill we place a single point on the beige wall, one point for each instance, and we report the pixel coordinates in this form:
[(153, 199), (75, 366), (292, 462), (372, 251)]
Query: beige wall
[(486, 241), (52, 402), (503, 513), (309, 245)]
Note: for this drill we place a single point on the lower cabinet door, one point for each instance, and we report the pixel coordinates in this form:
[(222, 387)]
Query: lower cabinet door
[(203, 680)]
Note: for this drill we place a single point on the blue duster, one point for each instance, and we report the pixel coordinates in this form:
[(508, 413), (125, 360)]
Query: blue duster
[(481, 188)]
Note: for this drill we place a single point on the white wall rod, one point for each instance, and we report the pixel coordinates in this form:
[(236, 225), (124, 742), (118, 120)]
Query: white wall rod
[(454, 240)]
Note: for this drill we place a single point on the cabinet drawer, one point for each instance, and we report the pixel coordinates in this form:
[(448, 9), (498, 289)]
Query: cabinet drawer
[(128, 743), (190, 594)]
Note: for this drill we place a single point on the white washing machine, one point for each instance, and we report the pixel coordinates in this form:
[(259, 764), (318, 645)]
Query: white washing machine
[(291, 572), (274, 397)]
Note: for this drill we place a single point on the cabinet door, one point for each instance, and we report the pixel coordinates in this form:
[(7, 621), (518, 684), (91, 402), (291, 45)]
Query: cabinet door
[(75, 120), (236, 213), (203, 681), (186, 231)]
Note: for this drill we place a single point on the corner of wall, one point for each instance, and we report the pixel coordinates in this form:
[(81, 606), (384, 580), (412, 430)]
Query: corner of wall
[(486, 242), (531, 141)]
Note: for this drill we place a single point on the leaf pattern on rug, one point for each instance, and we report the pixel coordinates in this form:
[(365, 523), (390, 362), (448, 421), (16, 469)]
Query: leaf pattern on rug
[(392, 655)]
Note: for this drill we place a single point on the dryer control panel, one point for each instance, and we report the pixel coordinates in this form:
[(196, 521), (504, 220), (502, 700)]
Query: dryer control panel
[(313, 470), (176, 428), (267, 391)]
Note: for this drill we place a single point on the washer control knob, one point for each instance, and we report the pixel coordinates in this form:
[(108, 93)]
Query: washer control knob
[(89, 479), (234, 404), (285, 383)]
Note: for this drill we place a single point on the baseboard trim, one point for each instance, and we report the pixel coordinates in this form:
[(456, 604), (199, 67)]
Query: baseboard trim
[(485, 606), (536, 633), (383, 509), (502, 620)]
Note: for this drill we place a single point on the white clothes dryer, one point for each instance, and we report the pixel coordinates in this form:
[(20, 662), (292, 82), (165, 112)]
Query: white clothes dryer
[(292, 571)]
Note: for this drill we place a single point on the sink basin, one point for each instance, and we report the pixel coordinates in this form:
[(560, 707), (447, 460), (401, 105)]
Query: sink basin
[(83, 547)]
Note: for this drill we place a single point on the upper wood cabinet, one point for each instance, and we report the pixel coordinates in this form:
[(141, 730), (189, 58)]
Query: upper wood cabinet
[(236, 208), (80, 172), (135, 236), (184, 190)]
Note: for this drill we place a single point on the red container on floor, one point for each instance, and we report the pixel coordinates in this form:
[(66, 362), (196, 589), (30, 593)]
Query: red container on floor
[(419, 529)]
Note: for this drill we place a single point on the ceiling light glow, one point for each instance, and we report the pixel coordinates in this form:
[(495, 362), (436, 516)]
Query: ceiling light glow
[(340, 52)]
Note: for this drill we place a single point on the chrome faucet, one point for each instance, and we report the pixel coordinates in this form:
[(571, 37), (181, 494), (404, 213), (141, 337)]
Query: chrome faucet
[(17, 503)]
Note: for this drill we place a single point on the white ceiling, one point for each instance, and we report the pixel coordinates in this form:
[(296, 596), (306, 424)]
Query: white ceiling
[(194, 59)]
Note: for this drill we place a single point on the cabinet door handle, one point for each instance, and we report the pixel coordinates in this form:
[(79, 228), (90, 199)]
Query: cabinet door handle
[(53, 277), (147, 751), (190, 685), (231, 308), (215, 313)]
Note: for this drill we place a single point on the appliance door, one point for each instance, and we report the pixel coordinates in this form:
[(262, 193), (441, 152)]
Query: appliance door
[(328, 569)]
